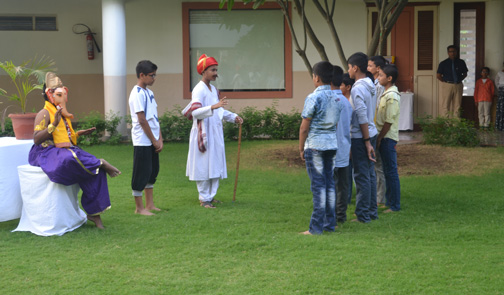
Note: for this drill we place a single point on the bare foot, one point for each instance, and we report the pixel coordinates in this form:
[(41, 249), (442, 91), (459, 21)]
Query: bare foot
[(308, 233), (97, 221), (153, 208), (111, 170), (144, 212)]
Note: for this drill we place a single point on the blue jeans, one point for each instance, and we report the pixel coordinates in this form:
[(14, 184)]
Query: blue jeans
[(320, 165), (366, 208), (343, 183), (389, 160)]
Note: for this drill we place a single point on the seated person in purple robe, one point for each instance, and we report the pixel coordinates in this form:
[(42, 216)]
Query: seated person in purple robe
[(55, 150)]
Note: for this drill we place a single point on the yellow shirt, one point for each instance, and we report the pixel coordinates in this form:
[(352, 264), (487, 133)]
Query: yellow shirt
[(60, 135), (388, 112)]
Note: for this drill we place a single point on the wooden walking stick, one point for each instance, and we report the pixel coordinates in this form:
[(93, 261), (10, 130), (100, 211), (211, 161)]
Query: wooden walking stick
[(237, 162)]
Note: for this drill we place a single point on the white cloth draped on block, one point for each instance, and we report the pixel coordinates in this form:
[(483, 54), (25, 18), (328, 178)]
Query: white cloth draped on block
[(211, 163), (48, 208), (13, 152)]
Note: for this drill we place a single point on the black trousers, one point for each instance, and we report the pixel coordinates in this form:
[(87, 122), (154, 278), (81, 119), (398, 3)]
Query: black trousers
[(145, 167)]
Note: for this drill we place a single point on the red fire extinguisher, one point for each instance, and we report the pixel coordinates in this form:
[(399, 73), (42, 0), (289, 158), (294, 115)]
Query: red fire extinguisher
[(90, 47), (90, 39)]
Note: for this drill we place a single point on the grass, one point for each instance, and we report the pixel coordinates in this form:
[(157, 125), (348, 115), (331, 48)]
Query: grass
[(448, 239)]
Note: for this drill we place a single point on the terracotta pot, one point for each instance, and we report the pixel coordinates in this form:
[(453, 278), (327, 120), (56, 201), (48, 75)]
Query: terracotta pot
[(23, 125)]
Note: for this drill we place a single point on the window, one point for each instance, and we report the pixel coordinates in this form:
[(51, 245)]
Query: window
[(253, 48), (27, 23), (467, 50)]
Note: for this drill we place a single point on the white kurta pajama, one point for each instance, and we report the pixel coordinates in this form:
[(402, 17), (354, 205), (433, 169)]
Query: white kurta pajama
[(206, 168)]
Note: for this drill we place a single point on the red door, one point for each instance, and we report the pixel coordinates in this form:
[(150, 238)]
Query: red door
[(402, 47)]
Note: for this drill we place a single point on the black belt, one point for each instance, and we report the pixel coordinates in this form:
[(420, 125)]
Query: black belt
[(451, 82)]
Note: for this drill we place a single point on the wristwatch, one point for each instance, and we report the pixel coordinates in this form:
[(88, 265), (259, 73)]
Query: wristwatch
[(366, 139), (50, 128)]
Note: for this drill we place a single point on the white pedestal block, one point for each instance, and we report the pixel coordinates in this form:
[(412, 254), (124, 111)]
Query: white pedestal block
[(48, 208)]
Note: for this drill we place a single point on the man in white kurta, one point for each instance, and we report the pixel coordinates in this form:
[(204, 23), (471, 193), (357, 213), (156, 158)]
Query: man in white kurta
[(206, 160)]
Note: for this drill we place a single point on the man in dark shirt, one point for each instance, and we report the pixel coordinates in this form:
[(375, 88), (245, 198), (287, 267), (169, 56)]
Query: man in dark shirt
[(451, 72)]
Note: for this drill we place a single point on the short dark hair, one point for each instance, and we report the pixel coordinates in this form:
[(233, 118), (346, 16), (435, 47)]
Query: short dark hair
[(360, 60), (324, 70), (391, 71), (486, 68), (337, 76), (145, 67), (347, 80), (452, 46), (378, 60)]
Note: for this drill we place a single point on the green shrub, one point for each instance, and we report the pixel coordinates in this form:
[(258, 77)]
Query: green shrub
[(108, 123), (174, 126), (449, 131), (112, 120), (93, 119), (268, 123), (252, 124), (7, 130), (288, 125)]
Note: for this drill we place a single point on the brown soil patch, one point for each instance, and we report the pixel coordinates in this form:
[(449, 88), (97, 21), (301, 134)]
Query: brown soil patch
[(414, 159)]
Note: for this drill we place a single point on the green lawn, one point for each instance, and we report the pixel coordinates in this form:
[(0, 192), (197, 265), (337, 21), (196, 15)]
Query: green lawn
[(448, 239)]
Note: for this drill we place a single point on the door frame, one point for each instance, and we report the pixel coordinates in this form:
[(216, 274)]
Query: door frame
[(469, 110)]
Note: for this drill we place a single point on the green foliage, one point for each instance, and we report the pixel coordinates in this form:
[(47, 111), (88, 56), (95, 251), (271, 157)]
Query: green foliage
[(230, 3), (112, 120), (96, 119), (268, 123), (449, 131), (93, 119), (27, 77), (174, 126), (7, 129)]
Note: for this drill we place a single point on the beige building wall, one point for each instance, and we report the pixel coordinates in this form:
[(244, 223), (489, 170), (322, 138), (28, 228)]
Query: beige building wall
[(83, 77), (154, 31)]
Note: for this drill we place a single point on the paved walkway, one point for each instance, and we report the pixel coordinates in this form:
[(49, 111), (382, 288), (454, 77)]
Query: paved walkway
[(487, 138)]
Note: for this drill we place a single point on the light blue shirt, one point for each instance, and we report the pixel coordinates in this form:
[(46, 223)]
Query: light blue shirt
[(323, 108), (343, 132)]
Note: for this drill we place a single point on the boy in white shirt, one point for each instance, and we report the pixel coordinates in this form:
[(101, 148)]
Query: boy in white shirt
[(146, 137)]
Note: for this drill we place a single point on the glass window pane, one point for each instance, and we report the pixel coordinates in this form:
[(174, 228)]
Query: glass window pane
[(248, 44), (16, 23), (45, 23), (468, 47)]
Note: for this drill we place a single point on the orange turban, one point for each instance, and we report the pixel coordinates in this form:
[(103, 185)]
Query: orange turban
[(205, 62)]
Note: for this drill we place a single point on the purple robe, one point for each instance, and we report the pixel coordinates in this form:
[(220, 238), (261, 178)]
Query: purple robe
[(72, 165)]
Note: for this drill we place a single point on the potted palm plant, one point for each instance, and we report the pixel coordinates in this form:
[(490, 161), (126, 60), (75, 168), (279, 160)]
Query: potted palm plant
[(26, 78)]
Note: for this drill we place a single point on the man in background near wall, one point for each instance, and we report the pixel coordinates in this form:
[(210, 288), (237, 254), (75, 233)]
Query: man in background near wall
[(451, 72)]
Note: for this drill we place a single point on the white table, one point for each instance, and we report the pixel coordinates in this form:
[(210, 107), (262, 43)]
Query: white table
[(13, 153), (406, 115)]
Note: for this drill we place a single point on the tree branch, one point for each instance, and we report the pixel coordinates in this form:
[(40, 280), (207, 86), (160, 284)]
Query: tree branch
[(301, 52), (311, 34), (330, 22)]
